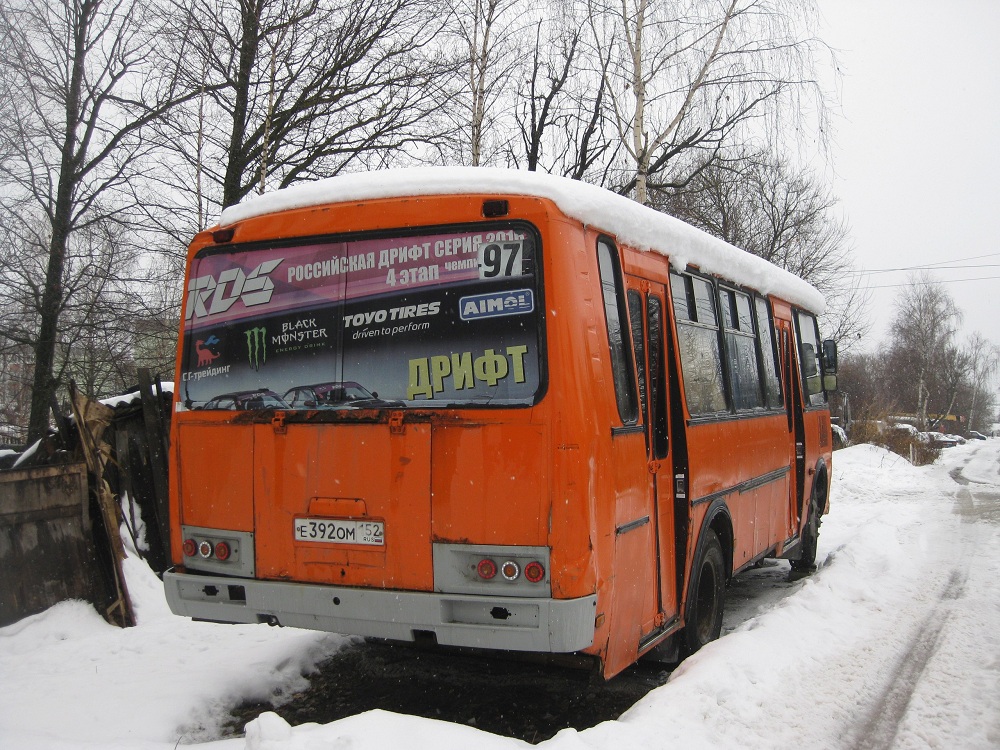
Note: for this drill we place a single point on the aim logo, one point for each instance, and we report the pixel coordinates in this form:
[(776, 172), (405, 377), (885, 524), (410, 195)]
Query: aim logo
[(496, 304)]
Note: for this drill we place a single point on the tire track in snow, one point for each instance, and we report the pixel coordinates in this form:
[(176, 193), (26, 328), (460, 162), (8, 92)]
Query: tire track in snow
[(882, 725)]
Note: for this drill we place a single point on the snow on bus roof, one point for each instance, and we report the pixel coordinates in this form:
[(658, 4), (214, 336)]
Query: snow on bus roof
[(631, 223)]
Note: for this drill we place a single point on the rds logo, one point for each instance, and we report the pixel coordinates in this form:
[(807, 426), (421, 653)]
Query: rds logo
[(208, 296)]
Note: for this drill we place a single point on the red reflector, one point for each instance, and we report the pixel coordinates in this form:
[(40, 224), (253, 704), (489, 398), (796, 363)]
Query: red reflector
[(222, 551), (205, 549), (190, 547), (486, 569), (510, 570), (534, 572)]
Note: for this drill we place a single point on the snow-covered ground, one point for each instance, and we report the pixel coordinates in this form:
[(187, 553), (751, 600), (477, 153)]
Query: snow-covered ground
[(893, 642)]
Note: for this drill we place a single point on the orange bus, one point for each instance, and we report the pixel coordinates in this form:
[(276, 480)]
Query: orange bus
[(489, 409)]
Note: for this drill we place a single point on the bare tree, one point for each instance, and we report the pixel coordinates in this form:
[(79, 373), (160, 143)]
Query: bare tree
[(107, 286), (864, 376), (685, 76), (983, 362), (538, 104), (923, 348), (87, 87), (295, 89), (489, 36), (561, 104), (785, 216)]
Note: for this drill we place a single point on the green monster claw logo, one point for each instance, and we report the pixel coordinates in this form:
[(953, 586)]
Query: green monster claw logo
[(257, 347)]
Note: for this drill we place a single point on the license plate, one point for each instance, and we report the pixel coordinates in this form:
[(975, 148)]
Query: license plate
[(340, 531)]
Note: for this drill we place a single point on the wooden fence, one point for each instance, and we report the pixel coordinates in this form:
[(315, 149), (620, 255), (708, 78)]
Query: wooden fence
[(47, 550)]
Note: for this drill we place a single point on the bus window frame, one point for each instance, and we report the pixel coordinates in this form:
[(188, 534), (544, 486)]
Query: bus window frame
[(637, 322), (401, 232), (628, 412), (658, 418), (808, 403), (720, 287), (731, 293), (728, 412), (775, 354)]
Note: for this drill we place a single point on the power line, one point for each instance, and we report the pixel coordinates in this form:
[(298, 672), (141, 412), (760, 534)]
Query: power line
[(935, 281), (962, 260), (939, 265), (931, 268)]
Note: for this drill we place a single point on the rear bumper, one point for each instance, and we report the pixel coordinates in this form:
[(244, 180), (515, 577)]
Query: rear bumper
[(509, 623)]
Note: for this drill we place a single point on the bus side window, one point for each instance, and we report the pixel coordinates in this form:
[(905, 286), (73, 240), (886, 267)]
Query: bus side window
[(616, 319), (769, 356), (698, 342), (812, 374), (639, 344), (741, 350), (657, 377)]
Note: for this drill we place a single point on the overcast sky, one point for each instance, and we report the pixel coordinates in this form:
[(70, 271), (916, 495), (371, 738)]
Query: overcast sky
[(916, 149)]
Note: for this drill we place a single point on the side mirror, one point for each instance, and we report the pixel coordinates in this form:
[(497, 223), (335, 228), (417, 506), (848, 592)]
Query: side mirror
[(830, 357), (830, 383)]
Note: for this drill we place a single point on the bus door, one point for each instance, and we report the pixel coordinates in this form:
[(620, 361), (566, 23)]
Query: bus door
[(634, 613), (647, 319), (796, 427), (813, 415)]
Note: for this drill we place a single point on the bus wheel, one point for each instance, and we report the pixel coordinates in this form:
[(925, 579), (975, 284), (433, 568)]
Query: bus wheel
[(703, 617), (810, 539)]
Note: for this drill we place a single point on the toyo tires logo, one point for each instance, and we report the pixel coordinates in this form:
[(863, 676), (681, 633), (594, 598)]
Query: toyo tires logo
[(210, 296)]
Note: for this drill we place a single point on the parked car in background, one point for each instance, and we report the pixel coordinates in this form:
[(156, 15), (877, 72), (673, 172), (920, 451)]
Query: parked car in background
[(839, 437), (332, 395), (262, 398), (941, 440), (976, 435), (905, 429)]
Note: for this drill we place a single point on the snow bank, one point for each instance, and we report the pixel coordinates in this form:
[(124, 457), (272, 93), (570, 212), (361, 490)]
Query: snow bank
[(72, 680), (892, 641)]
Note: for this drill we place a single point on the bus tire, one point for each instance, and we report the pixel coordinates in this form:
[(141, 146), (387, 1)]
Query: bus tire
[(706, 597), (810, 538)]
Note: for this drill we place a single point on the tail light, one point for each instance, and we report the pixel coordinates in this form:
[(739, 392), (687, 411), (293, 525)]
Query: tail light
[(486, 569), (209, 549), (534, 571), (492, 570), (223, 551)]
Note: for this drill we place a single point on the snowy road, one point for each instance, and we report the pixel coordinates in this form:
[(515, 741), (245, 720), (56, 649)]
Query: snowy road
[(933, 673), (894, 642), (924, 669)]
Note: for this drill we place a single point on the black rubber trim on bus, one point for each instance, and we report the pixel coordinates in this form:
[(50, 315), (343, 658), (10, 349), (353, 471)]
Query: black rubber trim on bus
[(626, 527), (746, 486), (629, 429)]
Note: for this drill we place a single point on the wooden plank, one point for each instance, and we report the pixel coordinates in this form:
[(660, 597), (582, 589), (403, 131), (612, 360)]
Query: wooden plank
[(156, 441)]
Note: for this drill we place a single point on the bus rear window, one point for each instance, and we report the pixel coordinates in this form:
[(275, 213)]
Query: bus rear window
[(448, 318)]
